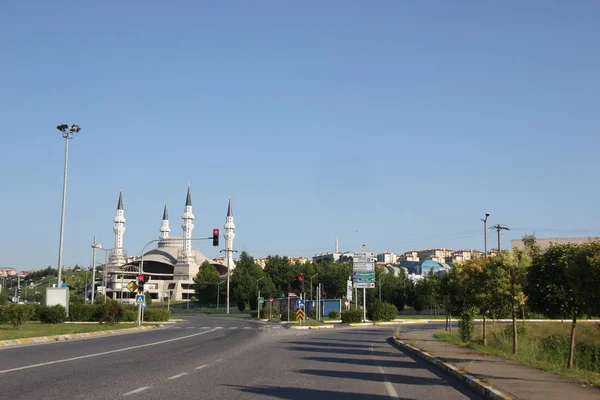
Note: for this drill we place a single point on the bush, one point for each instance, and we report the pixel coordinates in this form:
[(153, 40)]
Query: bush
[(82, 312), (148, 298), (156, 314), (53, 314), (284, 316), (108, 313), (129, 314), (254, 314), (16, 314), (466, 327), (313, 313), (35, 311), (381, 311), (351, 316), (334, 314), (241, 305)]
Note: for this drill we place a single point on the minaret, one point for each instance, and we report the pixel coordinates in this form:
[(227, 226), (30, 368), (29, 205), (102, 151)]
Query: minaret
[(229, 235), (337, 247), (164, 228), (119, 229), (187, 226)]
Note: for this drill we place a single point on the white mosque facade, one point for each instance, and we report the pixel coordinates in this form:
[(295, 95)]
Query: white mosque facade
[(169, 269)]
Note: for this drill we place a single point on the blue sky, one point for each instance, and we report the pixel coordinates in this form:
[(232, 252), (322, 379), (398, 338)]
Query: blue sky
[(393, 123)]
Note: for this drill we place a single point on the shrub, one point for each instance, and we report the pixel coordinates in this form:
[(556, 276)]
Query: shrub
[(254, 314), (148, 298), (521, 330), (466, 326), (129, 314), (587, 355), (334, 314), (351, 316), (241, 305), (76, 298), (284, 316), (156, 314), (381, 311), (53, 314), (16, 314), (82, 312), (313, 313), (108, 313)]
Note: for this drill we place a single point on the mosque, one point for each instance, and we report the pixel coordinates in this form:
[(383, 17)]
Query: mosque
[(170, 268)]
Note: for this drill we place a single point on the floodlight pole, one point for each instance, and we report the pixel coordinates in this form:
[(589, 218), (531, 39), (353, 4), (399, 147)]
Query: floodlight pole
[(68, 133)]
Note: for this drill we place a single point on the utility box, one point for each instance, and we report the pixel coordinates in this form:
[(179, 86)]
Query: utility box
[(58, 295)]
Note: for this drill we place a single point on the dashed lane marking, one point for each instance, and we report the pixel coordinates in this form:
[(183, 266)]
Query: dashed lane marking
[(178, 375), (202, 366), (137, 390)]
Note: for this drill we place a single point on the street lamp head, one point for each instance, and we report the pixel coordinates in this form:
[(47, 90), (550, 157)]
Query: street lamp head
[(75, 128), (487, 214), (62, 127)]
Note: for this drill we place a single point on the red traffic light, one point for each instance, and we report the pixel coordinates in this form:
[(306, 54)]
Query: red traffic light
[(300, 278), (141, 278), (215, 237)]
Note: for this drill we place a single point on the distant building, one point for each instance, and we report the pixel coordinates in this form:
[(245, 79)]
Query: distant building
[(386, 257), (327, 257), (463, 255), (8, 271), (545, 243), (298, 259), (437, 254), (412, 255)]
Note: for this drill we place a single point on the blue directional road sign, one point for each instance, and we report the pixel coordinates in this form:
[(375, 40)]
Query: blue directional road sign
[(261, 300), (299, 303), (139, 299)]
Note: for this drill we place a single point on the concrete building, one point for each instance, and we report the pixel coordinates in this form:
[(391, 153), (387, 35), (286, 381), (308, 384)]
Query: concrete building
[(327, 257), (412, 255), (386, 257), (463, 255), (545, 243), (8, 271), (437, 254)]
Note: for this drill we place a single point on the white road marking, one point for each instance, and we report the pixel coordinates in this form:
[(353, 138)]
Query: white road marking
[(218, 360), (105, 352), (137, 390), (389, 387), (233, 327), (178, 375), (202, 366), (247, 327)]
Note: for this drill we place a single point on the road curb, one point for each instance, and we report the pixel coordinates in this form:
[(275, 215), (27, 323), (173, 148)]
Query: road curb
[(475, 384), (313, 327), (59, 338)]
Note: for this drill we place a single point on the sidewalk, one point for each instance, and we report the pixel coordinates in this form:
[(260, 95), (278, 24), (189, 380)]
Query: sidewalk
[(517, 380)]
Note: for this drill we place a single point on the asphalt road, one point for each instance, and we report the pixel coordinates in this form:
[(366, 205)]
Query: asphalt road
[(225, 358)]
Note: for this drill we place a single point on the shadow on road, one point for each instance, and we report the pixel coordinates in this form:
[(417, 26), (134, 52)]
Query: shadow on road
[(366, 376), (313, 394)]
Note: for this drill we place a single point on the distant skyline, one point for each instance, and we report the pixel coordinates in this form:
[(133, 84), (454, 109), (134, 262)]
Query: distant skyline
[(395, 124)]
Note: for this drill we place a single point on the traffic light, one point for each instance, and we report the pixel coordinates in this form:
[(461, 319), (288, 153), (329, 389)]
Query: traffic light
[(215, 237), (300, 278), (19, 291), (140, 282)]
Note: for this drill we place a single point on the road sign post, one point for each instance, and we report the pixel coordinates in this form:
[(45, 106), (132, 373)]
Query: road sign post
[(363, 273)]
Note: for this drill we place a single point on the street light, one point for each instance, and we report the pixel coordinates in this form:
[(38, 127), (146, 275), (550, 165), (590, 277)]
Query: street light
[(258, 294), (487, 214), (311, 291), (94, 247), (67, 134)]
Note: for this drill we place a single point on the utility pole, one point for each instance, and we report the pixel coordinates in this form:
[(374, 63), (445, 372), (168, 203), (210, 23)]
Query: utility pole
[(499, 228)]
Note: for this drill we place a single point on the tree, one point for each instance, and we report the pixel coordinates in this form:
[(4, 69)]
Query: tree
[(459, 289), (206, 281), (244, 277), (564, 280), (512, 268)]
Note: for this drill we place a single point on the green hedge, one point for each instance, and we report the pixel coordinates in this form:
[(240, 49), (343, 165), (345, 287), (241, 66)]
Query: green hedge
[(156, 315), (53, 314), (334, 314), (82, 312), (351, 316)]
